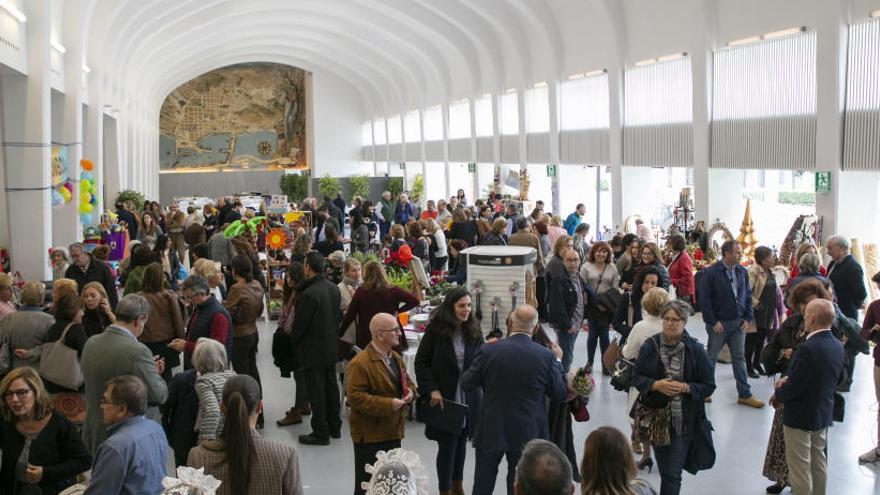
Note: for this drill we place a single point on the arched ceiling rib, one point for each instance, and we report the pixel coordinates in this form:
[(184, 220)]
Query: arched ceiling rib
[(398, 54)]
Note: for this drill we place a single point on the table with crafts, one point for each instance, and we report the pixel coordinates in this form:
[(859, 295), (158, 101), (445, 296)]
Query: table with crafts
[(413, 327)]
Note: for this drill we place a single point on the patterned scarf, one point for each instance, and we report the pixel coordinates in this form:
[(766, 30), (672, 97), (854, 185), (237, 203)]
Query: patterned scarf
[(672, 357)]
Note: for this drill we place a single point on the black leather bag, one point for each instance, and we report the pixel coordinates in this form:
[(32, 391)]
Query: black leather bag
[(621, 374), (839, 410)]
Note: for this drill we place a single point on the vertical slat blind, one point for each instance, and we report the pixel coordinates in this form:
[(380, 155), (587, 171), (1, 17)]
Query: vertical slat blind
[(861, 142), (537, 110), (658, 115), (459, 120), (584, 120), (483, 116), (509, 110), (412, 131), (394, 130), (379, 132), (433, 123), (764, 105)]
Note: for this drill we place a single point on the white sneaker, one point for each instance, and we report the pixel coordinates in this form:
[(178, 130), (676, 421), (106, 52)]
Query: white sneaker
[(870, 457)]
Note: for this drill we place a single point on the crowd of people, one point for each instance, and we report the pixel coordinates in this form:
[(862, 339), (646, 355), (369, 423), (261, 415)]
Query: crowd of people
[(108, 384)]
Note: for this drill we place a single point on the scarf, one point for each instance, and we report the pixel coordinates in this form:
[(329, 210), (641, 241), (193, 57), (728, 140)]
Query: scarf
[(672, 357), (354, 284)]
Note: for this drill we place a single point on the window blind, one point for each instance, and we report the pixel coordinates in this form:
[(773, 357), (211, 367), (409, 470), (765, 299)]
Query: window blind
[(433, 124), (411, 129), (537, 105), (483, 116), (764, 105), (509, 110), (658, 115), (584, 120), (861, 146), (394, 130), (459, 120), (379, 131)]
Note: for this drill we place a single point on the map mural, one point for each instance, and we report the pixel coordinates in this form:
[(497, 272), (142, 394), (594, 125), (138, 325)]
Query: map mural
[(245, 116)]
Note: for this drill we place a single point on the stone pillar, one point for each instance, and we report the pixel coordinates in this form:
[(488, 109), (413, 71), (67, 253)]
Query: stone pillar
[(553, 97), (67, 226), (615, 144), (27, 149), (94, 138), (701, 76)]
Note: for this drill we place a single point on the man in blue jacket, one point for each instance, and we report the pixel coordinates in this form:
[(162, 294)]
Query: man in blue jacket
[(573, 220), (815, 371), (726, 302), (517, 376)]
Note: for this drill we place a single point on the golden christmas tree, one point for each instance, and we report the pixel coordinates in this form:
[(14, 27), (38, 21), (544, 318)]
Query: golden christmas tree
[(746, 238)]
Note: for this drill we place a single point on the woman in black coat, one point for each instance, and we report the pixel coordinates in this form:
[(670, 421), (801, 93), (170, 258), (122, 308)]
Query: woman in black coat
[(179, 413), (446, 351), (674, 376), (629, 309)]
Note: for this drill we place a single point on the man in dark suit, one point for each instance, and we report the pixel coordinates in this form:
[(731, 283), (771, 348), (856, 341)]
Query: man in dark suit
[(815, 371), (847, 276), (314, 340), (517, 376)]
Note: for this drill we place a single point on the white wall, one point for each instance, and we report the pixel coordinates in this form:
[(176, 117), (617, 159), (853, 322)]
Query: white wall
[(338, 114)]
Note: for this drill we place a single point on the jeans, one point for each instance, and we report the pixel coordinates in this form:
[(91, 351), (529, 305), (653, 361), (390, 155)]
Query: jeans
[(670, 462), (244, 356), (566, 341), (598, 335), (450, 460), (365, 453), (323, 393), (486, 470), (735, 340), (807, 464)]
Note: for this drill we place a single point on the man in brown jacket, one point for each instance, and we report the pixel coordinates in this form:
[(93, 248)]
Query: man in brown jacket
[(377, 389), (524, 236)]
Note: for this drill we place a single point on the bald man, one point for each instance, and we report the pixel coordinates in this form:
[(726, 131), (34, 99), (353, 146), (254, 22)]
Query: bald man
[(814, 373), (377, 388), (517, 376)]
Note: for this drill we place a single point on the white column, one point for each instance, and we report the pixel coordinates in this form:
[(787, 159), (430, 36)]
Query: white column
[(27, 149), (424, 157), (94, 137), (472, 109), (496, 134), (615, 143), (444, 109), (701, 70), (553, 97), (67, 226), (523, 133)]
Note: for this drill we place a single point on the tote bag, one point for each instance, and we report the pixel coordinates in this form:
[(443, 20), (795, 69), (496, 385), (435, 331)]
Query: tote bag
[(60, 365)]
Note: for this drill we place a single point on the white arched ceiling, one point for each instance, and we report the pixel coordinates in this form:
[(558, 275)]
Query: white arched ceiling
[(397, 54)]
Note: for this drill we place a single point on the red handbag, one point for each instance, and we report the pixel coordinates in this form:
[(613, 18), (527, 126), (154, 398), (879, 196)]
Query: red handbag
[(578, 408)]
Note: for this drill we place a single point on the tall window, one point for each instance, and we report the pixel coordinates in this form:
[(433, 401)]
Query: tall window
[(583, 103), (483, 116), (367, 133), (394, 132), (379, 131), (538, 109), (411, 128), (459, 120), (433, 123), (764, 104), (509, 110), (860, 148), (658, 114)]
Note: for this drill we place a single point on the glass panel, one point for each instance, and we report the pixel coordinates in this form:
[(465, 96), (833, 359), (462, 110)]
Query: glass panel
[(483, 116), (459, 120)]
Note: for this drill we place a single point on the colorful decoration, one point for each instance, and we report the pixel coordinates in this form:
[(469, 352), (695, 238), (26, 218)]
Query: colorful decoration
[(292, 216), (86, 164), (238, 227), (746, 238), (275, 239)]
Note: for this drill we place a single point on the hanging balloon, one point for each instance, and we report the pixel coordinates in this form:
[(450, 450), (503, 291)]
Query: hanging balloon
[(57, 199), (86, 164), (93, 190), (65, 194), (87, 176), (86, 218), (84, 185), (92, 199), (68, 186)]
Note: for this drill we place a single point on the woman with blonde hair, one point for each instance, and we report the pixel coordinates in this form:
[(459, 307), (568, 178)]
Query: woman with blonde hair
[(6, 304), (496, 236), (607, 467), (555, 229), (211, 270), (802, 249), (97, 314), (54, 453), (176, 226), (376, 295), (26, 328), (438, 252)]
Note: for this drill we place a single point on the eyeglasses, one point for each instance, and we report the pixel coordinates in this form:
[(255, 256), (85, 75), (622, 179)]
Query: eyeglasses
[(672, 321), (20, 394), (385, 330)]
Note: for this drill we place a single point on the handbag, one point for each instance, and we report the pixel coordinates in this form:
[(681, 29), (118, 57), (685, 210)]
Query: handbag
[(611, 354), (839, 410), (578, 408), (60, 365), (621, 374), (701, 455)]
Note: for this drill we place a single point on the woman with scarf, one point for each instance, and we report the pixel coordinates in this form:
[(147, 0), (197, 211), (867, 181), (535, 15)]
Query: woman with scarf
[(674, 375)]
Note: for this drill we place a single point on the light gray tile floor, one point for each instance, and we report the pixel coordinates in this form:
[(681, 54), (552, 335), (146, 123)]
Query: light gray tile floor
[(740, 434)]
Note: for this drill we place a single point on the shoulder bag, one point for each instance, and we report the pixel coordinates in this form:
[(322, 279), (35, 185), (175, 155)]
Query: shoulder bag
[(60, 365)]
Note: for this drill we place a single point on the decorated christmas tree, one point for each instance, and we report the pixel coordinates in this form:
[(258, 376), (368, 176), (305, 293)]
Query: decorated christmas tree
[(746, 237)]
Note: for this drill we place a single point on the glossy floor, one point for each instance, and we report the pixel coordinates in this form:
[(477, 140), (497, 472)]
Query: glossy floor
[(740, 434)]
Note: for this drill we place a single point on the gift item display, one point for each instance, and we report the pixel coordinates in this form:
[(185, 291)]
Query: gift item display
[(499, 275)]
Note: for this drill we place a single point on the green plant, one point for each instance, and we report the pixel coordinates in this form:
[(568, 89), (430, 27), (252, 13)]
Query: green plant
[(359, 185), (133, 196), (364, 258), (418, 187), (399, 278), (328, 186), (295, 186), (394, 185), (796, 198)]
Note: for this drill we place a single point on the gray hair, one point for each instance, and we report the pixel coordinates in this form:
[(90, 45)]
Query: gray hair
[(132, 307), (544, 469), (77, 245), (337, 256), (518, 322), (197, 284), (681, 310), (839, 241), (209, 356), (809, 264), (128, 391)]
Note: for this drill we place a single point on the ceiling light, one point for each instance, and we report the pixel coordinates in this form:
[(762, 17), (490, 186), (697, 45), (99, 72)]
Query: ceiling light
[(591, 73), (13, 11), (510, 90), (875, 13), (665, 58), (459, 102), (58, 47), (766, 36), (540, 84)]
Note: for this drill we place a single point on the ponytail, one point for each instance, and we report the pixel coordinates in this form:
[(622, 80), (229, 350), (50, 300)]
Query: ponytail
[(237, 437)]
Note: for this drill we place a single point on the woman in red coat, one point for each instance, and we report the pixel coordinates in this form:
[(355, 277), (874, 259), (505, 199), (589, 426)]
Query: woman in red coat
[(681, 269), (802, 249), (375, 296)]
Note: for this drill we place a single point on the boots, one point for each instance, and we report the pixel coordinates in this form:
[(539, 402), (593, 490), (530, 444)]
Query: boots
[(457, 487), (292, 417)]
